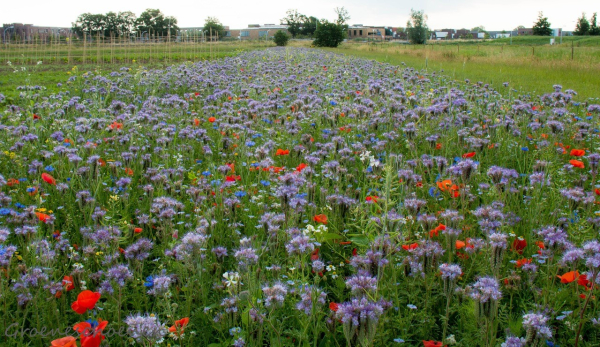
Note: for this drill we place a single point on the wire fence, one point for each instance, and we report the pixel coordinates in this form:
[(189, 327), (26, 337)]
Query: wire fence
[(144, 48)]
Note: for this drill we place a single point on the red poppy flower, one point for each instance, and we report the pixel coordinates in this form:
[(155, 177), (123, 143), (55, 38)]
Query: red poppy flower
[(179, 326), (410, 247), (469, 155), (577, 163), (137, 230), (438, 146), (583, 281), (68, 283), (282, 151), (212, 119), (116, 125), (460, 244), (354, 252), (90, 336), (42, 217), (444, 185), (568, 277), (12, 182), (522, 262), (320, 218), (519, 245), (314, 255), (86, 300), (577, 152), (333, 306), (196, 122), (437, 230), (128, 171), (233, 178), (48, 178), (301, 167), (372, 198), (68, 341), (432, 343)]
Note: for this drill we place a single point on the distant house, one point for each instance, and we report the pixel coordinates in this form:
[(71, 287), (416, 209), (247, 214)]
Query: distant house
[(30, 32), (502, 34), (440, 35), (358, 31), (256, 31), (525, 31), (462, 34)]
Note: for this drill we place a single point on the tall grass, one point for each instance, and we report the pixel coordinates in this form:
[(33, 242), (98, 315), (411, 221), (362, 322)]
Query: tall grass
[(525, 68)]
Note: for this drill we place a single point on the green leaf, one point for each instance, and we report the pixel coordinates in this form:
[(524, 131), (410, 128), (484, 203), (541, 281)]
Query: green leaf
[(330, 236), (360, 240)]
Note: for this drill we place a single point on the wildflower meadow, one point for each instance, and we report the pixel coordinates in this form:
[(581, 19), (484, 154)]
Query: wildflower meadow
[(295, 197)]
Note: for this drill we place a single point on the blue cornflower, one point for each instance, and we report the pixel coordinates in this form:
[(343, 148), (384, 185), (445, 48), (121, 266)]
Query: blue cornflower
[(525, 149), (265, 183), (206, 173), (49, 168), (30, 189), (4, 211), (250, 143), (23, 179), (333, 103), (240, 194), (93, 323), (215, 182), (433, 193), (149, 281)]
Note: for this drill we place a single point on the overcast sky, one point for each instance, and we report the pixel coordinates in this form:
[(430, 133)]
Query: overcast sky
[(493, 15)]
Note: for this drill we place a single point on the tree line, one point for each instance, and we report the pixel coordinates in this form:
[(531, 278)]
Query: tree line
[(125, 24), (587, 27)]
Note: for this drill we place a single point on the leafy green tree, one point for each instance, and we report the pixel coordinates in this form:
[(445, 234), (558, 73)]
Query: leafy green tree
[(154, 21), (542, 26), (212, 26), (126, 21), (111, 25), (342, 17), (416, 27), (294, 20), (329, 34), (309, 26), (281, 38), (583, 26), (89, 24), (594, 29), (107, 25)]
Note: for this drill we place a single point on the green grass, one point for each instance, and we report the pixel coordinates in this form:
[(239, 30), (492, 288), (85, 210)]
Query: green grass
[(525, 65), (58, 60), (530, 69)]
